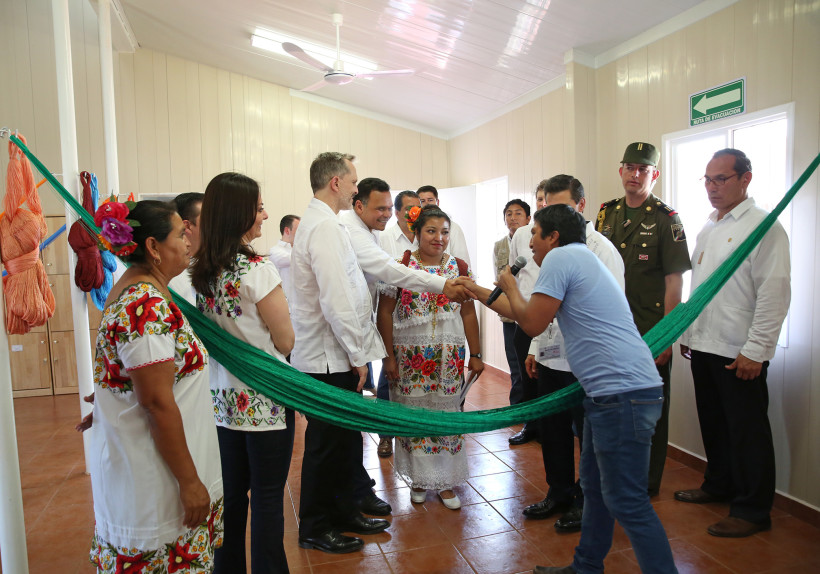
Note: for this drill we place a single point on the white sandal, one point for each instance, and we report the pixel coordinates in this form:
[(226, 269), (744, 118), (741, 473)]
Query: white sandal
[(452, 503), (418, 497)]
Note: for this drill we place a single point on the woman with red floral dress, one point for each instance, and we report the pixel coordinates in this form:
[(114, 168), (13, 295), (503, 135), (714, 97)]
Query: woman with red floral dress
[(424, 336), (242, 292), (154, 459)]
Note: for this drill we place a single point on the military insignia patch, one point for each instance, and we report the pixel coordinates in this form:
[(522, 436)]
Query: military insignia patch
[(607, 230), (677, 232), (643, 257), (645, 226)]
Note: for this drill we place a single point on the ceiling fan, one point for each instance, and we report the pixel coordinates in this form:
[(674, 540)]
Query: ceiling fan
[(335, 75)]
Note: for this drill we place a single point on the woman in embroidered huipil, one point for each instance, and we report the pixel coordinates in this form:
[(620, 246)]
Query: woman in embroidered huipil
[(154, 458), (424, 336), (242, 292)]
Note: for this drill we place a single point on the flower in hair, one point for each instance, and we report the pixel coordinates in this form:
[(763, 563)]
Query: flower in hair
[(116, 230), (411, 216)]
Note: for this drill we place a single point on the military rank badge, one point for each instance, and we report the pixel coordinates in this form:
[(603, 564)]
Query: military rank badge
[(643, 257), (606, 231), (677, 232)]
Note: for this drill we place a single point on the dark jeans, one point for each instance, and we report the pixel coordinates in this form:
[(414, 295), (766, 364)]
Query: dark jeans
[(737, 437), (257, 461), (383, 393), (558, 438), (660, 440), (527, 389), (614, 465), (329, 467)]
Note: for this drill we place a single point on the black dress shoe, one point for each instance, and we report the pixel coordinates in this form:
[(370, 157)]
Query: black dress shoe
[(372, 504), (696, 496), (547, 508), (361, 525), (523, 436), (333, 542), (571, 520)]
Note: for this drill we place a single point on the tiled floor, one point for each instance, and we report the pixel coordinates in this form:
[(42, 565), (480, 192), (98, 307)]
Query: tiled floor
[(488, 535)]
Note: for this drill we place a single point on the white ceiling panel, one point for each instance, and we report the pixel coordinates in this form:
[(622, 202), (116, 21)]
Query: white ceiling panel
[(471, 58)]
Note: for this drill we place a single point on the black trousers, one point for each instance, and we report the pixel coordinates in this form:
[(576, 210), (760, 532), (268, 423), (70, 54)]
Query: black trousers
[(527, 389), (558, 437), (660, 440), (332, 455), (258, 461), (737, 437)]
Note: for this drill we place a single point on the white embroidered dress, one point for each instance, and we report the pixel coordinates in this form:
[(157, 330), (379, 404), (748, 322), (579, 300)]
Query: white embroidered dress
[(429, 346), (138, 513), (233, 307)]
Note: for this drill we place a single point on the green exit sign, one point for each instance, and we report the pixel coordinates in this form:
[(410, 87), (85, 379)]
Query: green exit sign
[(718, 103)]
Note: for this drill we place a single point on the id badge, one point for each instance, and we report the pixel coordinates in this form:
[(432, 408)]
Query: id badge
[(549, 352)]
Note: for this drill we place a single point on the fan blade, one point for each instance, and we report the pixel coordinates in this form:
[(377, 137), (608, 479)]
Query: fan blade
[(300, 54), (312, 88), (386, 73)]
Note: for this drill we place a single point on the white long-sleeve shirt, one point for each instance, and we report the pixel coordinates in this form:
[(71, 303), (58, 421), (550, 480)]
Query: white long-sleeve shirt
[(746, 315), (279, 255), (378, 265), (331, 309), (548, 347), (520, 245)]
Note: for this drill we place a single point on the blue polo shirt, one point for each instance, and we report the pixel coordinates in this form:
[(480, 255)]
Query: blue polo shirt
[(604, 349)]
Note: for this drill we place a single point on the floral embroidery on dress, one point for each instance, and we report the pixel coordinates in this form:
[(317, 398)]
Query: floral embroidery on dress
[(245, 407), (142, 310), (433, 444), (423, 369), (191, 553), (226, 291)]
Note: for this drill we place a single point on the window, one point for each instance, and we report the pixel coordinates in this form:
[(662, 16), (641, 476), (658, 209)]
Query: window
[(766, 137)]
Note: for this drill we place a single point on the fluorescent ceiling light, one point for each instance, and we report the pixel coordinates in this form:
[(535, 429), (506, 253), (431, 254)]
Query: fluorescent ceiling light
[(271, 41)]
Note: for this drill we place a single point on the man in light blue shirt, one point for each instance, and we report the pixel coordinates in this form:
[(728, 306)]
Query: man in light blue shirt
[(615, 368)]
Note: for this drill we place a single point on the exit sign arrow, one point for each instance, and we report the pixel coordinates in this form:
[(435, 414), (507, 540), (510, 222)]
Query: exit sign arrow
[(719, 102), (708, 102)]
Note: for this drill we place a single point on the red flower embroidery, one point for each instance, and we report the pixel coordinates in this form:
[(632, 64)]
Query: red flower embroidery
[(428, 367), (417, 361), (255, 259), (113, 378), (112, 332), (406, 298), (442, 300), (210, 302), (174, 319), (180, 557), (231, 290), (130, 564), (193, 360), (141, 312), (460, 366), (242, 401), (211, 521)]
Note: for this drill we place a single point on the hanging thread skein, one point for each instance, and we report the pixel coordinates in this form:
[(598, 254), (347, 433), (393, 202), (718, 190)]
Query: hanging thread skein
[(29, 299), (109, 261), (88, 274)]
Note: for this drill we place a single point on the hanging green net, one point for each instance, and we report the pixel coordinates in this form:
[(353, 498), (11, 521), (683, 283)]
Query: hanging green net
[(294, 389)]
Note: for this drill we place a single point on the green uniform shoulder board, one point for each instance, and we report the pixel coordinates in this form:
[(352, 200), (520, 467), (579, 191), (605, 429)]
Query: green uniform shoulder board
[(606, 204), (667, 209)]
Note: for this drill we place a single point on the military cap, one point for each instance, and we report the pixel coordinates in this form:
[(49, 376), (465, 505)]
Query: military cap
[(643, 153)]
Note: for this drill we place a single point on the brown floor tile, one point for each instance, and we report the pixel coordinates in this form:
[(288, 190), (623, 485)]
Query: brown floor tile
[(471, 521), (483, 464), (410, 531), (504, 485), (690, 559), (682, 519), (747, 555), (353, 565), (505, 553), (440, 559)]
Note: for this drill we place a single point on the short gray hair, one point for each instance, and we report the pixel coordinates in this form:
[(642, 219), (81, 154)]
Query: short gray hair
[(326, 166)]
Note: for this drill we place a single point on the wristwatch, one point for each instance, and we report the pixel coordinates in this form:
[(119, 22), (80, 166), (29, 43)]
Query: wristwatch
[(477, 355)]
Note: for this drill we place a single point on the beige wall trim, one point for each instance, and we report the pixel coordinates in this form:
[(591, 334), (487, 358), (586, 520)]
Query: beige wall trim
[(679, 22)]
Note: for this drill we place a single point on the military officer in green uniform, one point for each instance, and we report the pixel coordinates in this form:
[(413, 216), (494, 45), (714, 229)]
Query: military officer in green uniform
[(650, 238)]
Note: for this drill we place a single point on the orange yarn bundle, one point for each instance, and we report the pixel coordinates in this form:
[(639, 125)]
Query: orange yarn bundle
[(29, 300), (89, 272)]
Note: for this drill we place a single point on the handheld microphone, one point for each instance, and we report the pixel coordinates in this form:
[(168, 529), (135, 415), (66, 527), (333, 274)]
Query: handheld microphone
[(519, 263)]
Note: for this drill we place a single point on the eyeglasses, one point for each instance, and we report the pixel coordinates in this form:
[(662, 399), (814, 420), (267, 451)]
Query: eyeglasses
[(719, 181), (640, 168)]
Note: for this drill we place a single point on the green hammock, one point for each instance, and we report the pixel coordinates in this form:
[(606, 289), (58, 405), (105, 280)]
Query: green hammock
[(290, 387)]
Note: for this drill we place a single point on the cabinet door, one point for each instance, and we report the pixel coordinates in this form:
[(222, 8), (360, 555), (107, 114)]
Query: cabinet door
[(62, 320), (63, 362), (55, 256), (30, 364)]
